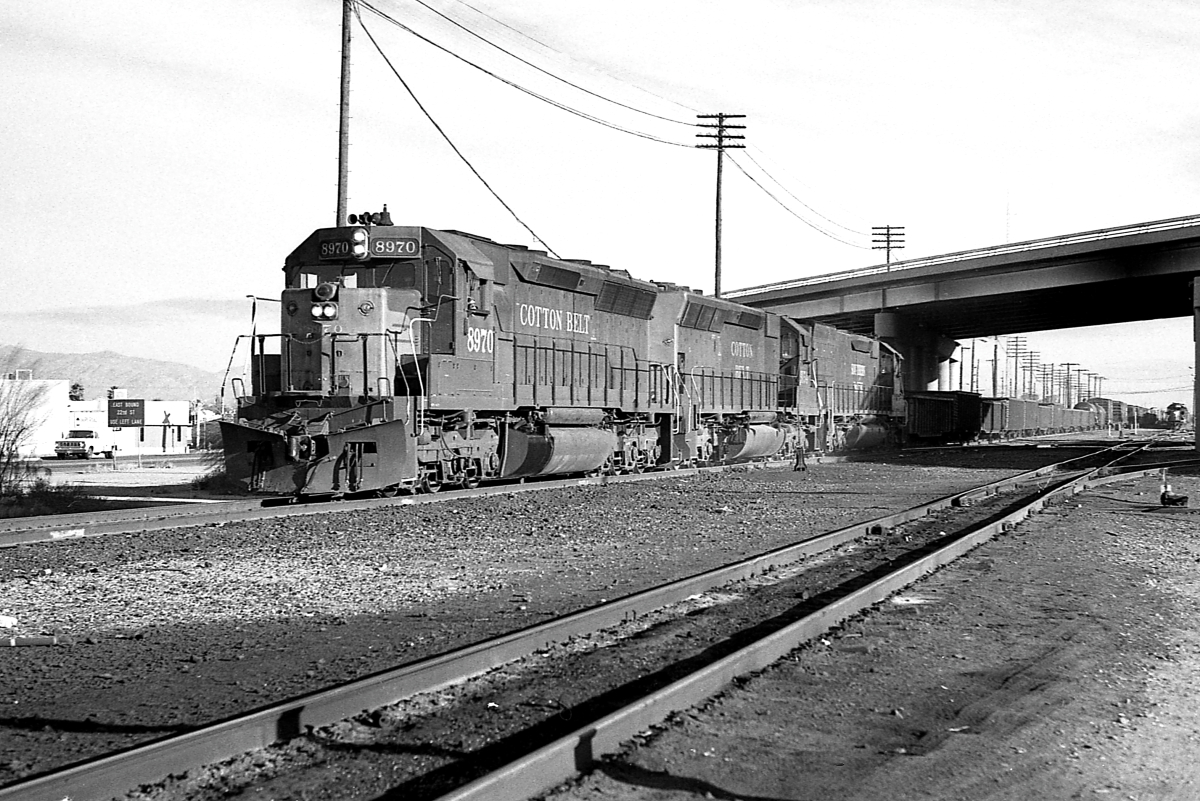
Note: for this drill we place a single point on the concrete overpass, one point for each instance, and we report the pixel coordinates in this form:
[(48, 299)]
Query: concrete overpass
[(921, 306)]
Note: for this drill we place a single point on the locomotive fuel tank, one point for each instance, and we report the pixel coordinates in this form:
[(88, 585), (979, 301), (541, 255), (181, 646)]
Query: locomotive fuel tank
[(556, 450), (866, 433), (753, 441)]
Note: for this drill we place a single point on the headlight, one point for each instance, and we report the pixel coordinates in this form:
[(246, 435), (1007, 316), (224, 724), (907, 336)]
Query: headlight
[(358, 243), (329, 310)]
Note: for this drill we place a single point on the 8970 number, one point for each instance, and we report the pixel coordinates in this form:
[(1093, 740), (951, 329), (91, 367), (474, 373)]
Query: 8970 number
[(386, 246), (480, 340)]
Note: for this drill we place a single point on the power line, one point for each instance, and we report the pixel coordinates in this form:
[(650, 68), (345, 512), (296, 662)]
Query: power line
[(1187, 388), (846, 211), (513, 84), (453, 147), (592, 117), (801, 202), (527, 63), (553, 49), (786, 208)]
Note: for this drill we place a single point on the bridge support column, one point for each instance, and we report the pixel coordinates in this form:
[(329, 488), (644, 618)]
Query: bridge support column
[(1196, 363), (945, 382), (926, 353)]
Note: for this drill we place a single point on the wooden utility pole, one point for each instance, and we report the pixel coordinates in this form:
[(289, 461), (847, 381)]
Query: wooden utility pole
[(1018, 350), (1069, 365), (722, 142), (887, 238), (344, 127)]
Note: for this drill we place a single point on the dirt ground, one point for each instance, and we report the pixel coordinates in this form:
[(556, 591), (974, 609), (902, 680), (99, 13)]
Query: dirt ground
[(1061, 661)]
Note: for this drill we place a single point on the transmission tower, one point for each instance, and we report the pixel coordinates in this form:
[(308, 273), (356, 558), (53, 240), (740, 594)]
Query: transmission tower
[(724, 140)]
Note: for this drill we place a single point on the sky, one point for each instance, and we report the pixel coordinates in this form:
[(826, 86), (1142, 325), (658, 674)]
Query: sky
[(162, 159)]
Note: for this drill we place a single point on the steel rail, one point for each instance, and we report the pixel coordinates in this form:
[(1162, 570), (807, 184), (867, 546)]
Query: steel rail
[(115, 774), (576, 752), (57, 528)]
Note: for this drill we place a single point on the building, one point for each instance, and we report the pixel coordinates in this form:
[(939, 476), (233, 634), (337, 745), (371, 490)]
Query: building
[(35, 408), (145, 427), (44, 413)]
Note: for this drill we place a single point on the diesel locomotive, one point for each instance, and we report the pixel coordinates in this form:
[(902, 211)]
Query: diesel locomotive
[(411, 358)]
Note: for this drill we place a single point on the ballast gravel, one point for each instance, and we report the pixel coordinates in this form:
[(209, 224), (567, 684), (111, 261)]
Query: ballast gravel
[(166, 630)]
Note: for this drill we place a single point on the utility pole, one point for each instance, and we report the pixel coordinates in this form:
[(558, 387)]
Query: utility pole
[(996, 367), (1079, 383), (344, 127), (1018, 349), (1099, 386), (973, 367), (887, 238), (1068, 366), (1031, 360), (723, 141)]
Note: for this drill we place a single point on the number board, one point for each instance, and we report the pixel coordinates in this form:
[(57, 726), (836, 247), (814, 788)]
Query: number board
[(334, 249), (396, 247), (126, 413)]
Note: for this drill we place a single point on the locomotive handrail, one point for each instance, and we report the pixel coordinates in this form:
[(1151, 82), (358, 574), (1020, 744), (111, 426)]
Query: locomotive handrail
[(1083, 237)]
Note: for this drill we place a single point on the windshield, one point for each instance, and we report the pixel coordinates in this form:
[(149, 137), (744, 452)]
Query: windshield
[(80, 434)]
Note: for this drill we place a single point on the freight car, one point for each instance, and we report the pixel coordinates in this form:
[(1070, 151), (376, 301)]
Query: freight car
[(410, 358), (1117, 414), (965, 416)]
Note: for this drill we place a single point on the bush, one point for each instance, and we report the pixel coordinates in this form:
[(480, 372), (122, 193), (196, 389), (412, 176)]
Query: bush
[(219, 482), (40, 497)]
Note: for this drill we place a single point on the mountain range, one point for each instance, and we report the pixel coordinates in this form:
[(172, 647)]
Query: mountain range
[(97, 372)]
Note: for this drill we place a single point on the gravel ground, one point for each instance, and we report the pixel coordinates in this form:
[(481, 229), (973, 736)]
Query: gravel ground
[(1060, 661), (174, 628)]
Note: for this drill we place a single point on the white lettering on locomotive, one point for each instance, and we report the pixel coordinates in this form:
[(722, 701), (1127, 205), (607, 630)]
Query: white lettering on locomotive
[(553, 319), (741, 349), (480, 340)]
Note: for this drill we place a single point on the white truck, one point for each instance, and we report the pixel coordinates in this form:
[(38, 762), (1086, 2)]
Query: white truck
[(82, 443)]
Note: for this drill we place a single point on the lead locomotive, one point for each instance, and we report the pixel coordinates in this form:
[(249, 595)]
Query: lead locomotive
[(411, 358)]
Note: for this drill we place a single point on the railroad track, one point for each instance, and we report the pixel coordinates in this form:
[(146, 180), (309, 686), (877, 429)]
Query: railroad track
[(60, 528), (569, 749)]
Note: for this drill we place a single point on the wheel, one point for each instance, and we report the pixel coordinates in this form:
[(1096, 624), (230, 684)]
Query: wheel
[(429, 485), (471, 481), (388, 492), (61, 455)]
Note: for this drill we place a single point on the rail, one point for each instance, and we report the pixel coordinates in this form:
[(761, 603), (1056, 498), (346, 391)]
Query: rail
[(563, 759), (1083, 237), (117, 773)]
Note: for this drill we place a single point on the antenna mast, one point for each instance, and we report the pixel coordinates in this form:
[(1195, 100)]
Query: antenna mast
[(344, 128)]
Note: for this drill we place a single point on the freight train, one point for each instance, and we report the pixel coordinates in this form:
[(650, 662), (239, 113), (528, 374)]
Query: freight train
[(411, 358)]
